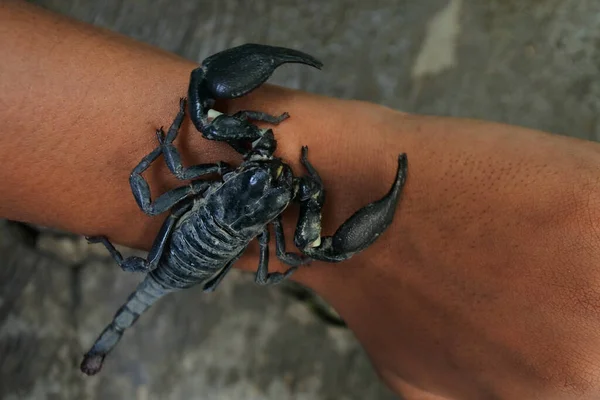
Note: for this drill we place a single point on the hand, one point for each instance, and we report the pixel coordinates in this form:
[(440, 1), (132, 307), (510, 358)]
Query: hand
[(487, 285)]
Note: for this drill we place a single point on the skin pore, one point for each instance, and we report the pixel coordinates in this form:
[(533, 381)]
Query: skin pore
[(486, 285)]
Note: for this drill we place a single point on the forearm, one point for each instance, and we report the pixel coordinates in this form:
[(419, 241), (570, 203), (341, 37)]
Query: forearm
[(81, 106)]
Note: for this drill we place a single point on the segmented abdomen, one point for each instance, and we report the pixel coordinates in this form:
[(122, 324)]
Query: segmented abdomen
[(199, 247)]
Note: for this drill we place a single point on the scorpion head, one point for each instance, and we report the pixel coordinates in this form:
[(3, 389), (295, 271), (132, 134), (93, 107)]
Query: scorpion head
[(254, 195)]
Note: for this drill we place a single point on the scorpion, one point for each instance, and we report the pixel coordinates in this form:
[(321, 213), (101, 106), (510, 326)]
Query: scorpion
[(212, 221)]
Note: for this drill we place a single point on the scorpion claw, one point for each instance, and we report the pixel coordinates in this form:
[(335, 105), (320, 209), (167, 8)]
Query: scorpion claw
[(358, 232), (237, 71), (365, 226), (234, 73)]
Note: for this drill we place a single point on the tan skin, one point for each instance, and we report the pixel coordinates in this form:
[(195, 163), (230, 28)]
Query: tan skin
[(487, 284)]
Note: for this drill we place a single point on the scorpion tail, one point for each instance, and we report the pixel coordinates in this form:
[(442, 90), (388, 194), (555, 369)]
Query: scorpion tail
[(145, 295)]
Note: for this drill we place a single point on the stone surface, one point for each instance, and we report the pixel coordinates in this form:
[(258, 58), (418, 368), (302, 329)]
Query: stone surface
[(533, 63), (39, 349), (241, 342)]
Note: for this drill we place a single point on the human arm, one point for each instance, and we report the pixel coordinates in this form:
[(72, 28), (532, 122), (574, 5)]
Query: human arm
[(486, 280)]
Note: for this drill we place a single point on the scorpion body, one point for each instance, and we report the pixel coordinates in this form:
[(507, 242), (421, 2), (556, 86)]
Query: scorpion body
[(211, 222), (213, 233)]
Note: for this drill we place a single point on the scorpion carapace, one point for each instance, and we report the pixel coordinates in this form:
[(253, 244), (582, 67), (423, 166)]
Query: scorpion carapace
[(211, 223)]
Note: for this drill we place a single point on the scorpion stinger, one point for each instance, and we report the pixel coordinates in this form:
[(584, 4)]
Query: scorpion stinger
[(146, 294)]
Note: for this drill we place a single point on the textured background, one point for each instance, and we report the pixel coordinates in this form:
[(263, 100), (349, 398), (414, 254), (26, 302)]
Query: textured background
[(527, 62)]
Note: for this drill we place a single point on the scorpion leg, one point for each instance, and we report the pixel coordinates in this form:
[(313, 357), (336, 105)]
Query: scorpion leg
[(145, 295), (141, 192), (139, 264), (354, 235), (172, 157), (141, 189), (263, 277), (293, 259)]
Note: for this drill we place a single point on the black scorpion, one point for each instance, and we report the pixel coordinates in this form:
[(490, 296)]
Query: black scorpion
[(211, 222)]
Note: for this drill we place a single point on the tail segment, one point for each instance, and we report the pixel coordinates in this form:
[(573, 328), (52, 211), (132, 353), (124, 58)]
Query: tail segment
[(145, 295)]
